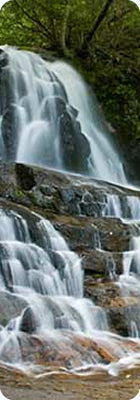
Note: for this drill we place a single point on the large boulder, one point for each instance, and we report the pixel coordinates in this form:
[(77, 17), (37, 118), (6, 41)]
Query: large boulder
[(3, 80), (74, 145), (24, 176), (11, 305), (6, 94), (28, 321), (67, 130), (124, 317), (10, 132)]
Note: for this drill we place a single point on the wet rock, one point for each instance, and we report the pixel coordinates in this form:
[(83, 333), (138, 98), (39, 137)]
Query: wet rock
[(65, 129), (58, 262), (61, 193), (3, 83), (123, 313), (53, 108), (59, 88), (3, 59), (24, 176), (103, 293), (47, 190), (36, 197), (28, 322), (76, 236), (9, 132), (7, 96), (70, 199), (94, 262), (11, 306), (125, 319), (91, 208), (5, 270), (69, 350), (72, 111), (102, 264), (110, 235), (81, 201), (71, 139)]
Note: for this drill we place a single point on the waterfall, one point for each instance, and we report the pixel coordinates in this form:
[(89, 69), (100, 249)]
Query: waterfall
[(42, 280), (52, 115), (49, 278), (123, 207), (49, 118)]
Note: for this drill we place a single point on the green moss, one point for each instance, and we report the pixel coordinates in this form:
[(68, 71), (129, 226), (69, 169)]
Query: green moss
[(18, 192)]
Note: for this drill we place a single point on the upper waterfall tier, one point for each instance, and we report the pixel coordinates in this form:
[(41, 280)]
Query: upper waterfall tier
[(47, 115)]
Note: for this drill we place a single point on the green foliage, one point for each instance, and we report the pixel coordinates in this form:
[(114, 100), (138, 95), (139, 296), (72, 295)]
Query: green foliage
[(110, 60), (113, 66), (42, 22)]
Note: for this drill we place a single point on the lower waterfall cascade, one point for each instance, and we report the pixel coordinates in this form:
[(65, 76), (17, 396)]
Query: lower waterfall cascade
[(55, 302), (47, 323)]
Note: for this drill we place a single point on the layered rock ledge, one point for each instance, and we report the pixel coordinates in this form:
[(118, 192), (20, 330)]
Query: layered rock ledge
[(77, 206)]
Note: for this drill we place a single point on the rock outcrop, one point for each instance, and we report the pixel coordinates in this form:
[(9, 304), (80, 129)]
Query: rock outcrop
[(70, 352)]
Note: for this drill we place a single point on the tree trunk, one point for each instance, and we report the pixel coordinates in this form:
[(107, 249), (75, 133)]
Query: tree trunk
[(64, 30), (83, 52), (99, 20)]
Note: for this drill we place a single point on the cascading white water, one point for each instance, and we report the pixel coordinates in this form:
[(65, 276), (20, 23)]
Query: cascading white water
[(55, 295), (123, 207), (50, 280), (46, 98), (127, 208), (104, 161), (130, 279)]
